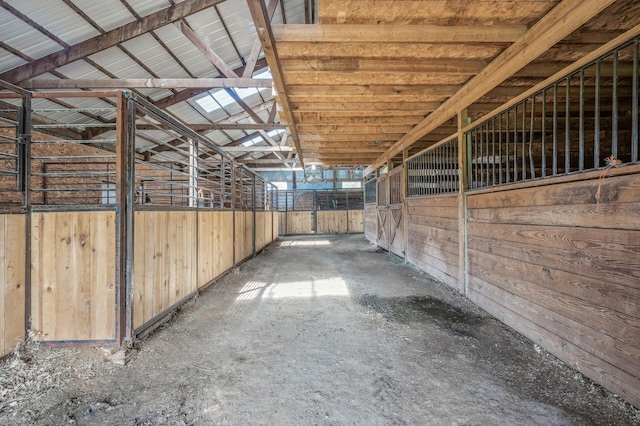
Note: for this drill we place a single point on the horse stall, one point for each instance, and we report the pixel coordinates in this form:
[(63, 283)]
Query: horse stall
[(115, 218), (306, 212), (532, 213)]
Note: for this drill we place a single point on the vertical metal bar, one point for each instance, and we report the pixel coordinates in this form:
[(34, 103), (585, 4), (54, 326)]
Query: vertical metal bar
[(515, 143), (253, 202), (493, 151), (24, 152), (614, 110), (554, 167), (567, 127), (581, 124), (531, 130), (486, 150), (500, 148), (543, 136), (523, 160), (507, 159), (634, 105), (480, 158)]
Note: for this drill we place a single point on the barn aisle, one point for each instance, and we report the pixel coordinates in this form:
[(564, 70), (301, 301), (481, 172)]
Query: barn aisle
[(327, 330)]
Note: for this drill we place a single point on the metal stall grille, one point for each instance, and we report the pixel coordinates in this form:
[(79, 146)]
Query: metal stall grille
[(583, 121), (434, 170)]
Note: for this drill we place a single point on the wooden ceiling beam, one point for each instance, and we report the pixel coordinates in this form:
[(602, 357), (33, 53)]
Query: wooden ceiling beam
[(110, 38), (380, 65), (260, 16), (366, 90), (364, 106), (351, 137), (350, 130), (397, 33), (321, 119), (561, 21), (323, 78)]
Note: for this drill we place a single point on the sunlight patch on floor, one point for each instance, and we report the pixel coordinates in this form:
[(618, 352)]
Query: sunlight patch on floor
[(307, 289), (305, 243)]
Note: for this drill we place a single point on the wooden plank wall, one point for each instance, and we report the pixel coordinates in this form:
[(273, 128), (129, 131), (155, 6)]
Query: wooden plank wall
[(73, 275), (275, 220), (299, 223), (433, 237), (165, 261), (243, 235), (215, 245), (565, 272), (355, 222), (332, 222), (370, 222), (12, 289)]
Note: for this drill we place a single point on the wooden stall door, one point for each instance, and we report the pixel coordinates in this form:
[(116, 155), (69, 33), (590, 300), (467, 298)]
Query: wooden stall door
[(382, 201), (395, 217)]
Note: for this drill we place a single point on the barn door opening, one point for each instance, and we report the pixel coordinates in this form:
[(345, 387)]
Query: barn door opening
[(382, 207)]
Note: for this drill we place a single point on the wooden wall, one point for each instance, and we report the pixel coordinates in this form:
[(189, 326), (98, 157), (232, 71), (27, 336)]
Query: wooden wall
[(165, 261), (332, 222), (299, 223), (370, 222), (433, 237), (12, 289), (355, 221), (565, 272), (243, 235), (215, 245), (73, 275)]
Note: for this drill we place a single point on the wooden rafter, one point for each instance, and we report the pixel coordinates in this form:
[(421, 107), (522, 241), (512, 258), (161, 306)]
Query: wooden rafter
[(260, 17), (111, 38), (206, 50), (257, 44)]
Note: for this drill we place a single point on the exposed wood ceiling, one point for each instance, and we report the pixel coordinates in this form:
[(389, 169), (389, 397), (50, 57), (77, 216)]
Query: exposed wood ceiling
[(359, 82)]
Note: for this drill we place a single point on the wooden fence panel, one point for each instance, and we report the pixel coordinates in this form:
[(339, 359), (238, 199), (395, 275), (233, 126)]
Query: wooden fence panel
[(73, 275), (244, 235), (371, 222), (564, 271), (433, 238), (332, 222), (355, 222), (12, 281), (215, 245), (165, 261), (299, 223)]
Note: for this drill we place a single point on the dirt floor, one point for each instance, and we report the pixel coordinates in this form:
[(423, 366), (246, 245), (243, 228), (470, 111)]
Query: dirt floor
[(314, 331)]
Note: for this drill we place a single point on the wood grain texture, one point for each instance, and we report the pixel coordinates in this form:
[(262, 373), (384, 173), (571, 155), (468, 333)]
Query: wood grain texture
[(299, 223), (164, 262), (215, 245), (355, 221), (564, 271), (243, 235), (332, 222), (433, 238), (73, 275), (370, 222), (12, 281)]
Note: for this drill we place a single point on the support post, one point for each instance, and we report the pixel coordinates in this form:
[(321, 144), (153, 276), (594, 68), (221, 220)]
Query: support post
[(24, 157), (463, 176)]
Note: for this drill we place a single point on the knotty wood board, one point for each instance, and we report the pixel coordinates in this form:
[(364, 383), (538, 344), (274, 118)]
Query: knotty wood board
[(12, 281), (73, 275), (355, 222), (165, 261), (243, 235), (332, 222), (215, 245), (299, 223), (564, 271), (433, 239), (370, 222)]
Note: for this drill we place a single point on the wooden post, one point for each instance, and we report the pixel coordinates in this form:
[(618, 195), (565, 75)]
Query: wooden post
[(24, 135), (405, 208), (463, 119)]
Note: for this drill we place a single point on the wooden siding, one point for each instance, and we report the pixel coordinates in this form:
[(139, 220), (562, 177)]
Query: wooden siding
[(243, 235), (73, 275), (12, 283), (165, 261), (355, 221), (433, 237), (215, 245), (370, 222), (565, 272), (299, 223), (332, 222), (276, 225)]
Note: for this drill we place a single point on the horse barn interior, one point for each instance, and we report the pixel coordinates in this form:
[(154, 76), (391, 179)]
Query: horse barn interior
[(148, 148)]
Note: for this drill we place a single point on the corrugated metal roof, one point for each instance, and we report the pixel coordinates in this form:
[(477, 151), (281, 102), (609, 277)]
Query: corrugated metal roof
[(118, 14), (27, 40)]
